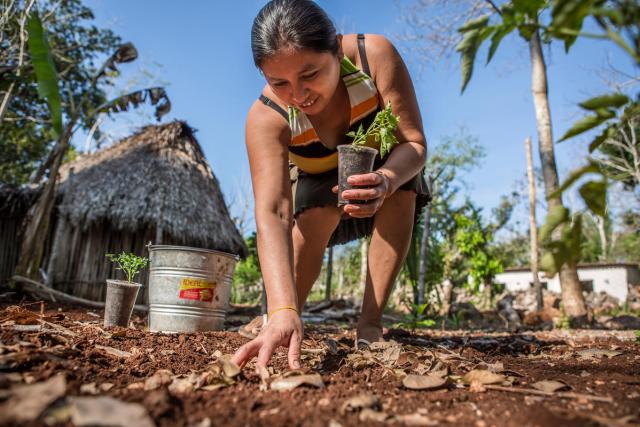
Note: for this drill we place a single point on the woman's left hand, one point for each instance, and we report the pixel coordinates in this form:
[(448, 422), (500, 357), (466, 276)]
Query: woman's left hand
[(377, 189)]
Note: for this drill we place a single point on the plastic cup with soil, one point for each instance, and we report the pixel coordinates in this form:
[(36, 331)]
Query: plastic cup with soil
[(121, 297), (353, 160)]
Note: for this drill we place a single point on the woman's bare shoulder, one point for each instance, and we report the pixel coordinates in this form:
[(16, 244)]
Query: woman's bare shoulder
[(264, 122)]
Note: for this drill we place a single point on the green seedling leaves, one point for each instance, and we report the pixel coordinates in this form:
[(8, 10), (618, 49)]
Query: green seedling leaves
[(130, 263), (381, 130)]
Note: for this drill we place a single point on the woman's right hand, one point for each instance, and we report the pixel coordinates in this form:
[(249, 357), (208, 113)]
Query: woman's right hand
[(284, 328)]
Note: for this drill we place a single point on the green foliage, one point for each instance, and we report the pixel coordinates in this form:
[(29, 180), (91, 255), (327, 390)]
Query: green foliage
[(417, 318), (74, 44), (618, 22), (129, 263), (638, 336), (45, 70), (563, 321), (247, 275), (381, 130), (473, 240)]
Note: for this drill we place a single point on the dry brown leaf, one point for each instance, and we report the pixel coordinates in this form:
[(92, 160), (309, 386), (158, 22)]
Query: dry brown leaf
[(359, 402), (415, 419), (550, 386), (369, 415), (89, 388), (476, 387), (264, 378), (423, 382), (383, 345), (114, 351), (107, 411), (28, 401), (596, 353), (229, 369), (482, 376), (289, 383), (180, 386), (391, 354), (105, 386), (158, 379)]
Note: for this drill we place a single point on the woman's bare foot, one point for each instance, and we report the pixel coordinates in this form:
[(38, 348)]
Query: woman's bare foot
[(369, 331)]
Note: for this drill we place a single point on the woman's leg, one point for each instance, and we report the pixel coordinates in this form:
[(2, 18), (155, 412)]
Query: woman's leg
[(312, 230), (390, 239)]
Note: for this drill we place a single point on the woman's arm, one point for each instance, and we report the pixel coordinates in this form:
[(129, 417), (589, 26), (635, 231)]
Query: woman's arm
[(407, 159), (267, 137)]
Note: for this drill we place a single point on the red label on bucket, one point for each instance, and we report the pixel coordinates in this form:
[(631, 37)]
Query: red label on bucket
[(196, 289)]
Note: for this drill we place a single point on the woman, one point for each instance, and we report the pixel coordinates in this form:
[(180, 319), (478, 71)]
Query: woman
[(319, 86)]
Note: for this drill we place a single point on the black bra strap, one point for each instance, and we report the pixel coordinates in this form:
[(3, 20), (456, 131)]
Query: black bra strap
[(269, 103), (363, 55)]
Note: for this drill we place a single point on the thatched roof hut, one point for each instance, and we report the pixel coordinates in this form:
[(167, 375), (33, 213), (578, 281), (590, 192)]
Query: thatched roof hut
[(155, 186), (14, 204), (157, 177)]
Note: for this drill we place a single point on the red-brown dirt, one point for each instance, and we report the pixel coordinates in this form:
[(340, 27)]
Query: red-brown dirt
[(69, 342)]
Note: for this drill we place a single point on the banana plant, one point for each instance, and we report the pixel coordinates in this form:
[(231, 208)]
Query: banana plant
[(43, 62)]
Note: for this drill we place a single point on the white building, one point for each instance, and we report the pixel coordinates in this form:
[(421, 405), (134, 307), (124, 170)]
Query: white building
[(616, 279)]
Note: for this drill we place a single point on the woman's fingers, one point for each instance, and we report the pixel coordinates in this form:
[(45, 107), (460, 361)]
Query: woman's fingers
[(246, 352), (365, 179), (294, 351), (363, 193), (266, 350), (335, 189)]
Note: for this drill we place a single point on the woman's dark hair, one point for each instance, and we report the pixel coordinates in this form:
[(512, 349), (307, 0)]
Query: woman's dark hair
[(301, 24)]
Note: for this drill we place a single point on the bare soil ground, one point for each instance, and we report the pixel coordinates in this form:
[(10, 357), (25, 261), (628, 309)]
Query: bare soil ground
[(57, 362)]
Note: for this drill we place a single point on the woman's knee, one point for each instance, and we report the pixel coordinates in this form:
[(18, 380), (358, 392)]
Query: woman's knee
[(317, 224)]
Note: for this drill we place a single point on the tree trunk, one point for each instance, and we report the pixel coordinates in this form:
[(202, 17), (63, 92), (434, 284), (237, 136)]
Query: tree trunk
[(572, 299), (37, 225), (533, 226), (422, 272), (447, 295), (327, 291), (364, 251)]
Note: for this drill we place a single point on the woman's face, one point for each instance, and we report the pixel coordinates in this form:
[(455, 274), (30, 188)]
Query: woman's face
[(303, 78)]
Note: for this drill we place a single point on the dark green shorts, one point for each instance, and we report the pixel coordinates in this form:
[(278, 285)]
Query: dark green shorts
[(314, 190)]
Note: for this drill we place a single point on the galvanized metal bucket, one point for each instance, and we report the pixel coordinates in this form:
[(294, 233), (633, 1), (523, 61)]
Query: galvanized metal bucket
[(189, 288)]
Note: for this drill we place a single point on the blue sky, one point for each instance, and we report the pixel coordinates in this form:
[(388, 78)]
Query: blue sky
[(201, 50)]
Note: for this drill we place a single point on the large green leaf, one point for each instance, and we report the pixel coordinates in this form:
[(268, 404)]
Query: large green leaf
[(614, 100), (468, 48), (45, 70), (591, 167), (594, 194), (572, 238), (554, 255), (607, 133), (499, 33), (588, 123), (474, 24), (557, 215)]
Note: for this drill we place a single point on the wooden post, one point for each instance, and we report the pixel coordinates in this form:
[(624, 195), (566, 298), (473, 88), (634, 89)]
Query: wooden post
[(422, 263), (327, 291), (533, 227), (364, 250)]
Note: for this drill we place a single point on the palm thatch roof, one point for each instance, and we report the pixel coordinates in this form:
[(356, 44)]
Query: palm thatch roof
[(157, 177), (15, 200)]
